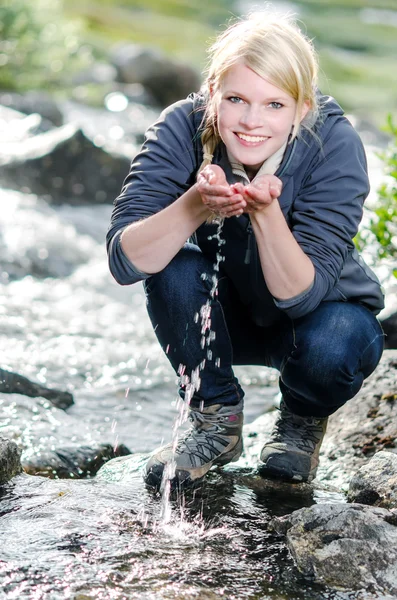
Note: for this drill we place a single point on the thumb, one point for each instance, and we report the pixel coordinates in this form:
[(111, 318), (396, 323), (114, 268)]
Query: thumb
[(275, 189)]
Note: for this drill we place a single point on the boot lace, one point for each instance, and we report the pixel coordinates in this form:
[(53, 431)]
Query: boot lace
[(205, 444), (302, 432)]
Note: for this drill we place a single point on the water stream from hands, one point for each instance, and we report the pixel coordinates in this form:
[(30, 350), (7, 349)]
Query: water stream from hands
[(191, 384)]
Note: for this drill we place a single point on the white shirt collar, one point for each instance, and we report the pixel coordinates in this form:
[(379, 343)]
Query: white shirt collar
[(268, 167)]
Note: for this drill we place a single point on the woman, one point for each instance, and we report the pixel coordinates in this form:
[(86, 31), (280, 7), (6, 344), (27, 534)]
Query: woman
[(267, 179)]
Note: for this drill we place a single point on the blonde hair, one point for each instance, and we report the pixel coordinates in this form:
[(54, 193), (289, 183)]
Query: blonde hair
[(274, 48)]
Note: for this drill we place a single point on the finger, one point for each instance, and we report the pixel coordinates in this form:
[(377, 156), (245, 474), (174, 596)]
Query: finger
[(255, 194), (238, 188), (221, 201), (275, 191), (214, 190)]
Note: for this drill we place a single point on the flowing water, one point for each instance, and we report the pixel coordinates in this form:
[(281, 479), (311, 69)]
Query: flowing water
[(67, 324)]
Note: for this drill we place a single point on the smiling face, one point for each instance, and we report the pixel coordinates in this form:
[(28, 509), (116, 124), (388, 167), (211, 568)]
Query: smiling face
[(254, 117)]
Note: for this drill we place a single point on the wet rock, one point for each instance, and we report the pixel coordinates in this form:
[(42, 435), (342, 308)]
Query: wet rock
[(389, 326), (13, 383), (166, 80), (376, 482), (15, 127), (63, 166), (34, 102), (366, 425), (10, 463), (344, 546), (74, 462), (124, 469)]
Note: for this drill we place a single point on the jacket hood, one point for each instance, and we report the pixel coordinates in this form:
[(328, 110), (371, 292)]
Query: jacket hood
[(329, 112)]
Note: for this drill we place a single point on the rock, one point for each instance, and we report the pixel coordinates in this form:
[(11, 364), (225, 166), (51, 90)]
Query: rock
[(99, 72), (363, 426), (13, 383), (74, 462), (15, 127), (64, 166), (344, 546), (10, 463), (166, 80), (376, 482), (389, 326), (34, 102), (124, 469)]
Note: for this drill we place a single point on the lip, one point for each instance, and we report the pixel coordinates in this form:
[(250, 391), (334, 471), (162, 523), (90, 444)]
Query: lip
[(251, 144)]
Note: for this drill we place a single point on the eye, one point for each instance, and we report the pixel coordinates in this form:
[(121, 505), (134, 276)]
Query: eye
[(235, 99), (276, 105)]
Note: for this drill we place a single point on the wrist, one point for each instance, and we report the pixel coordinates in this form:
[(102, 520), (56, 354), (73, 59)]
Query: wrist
[(266, 213), (196, 204)]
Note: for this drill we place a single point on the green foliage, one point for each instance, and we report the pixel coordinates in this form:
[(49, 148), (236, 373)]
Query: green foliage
[(381, 230), (38, 47)]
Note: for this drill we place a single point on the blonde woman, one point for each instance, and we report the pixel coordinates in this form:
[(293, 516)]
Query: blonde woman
[(260, 160)]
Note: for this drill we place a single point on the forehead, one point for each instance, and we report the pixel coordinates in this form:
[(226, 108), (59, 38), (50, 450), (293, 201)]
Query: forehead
[(242, 79)]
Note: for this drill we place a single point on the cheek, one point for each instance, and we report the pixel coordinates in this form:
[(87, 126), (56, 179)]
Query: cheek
[(283, 125)]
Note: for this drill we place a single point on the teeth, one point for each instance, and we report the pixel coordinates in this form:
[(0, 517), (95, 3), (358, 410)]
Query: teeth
[(252, 138)]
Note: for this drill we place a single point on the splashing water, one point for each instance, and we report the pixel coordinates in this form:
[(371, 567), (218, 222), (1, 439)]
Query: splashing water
[(191, 384)]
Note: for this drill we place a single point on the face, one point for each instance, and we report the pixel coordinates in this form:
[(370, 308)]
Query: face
[(255, 117)]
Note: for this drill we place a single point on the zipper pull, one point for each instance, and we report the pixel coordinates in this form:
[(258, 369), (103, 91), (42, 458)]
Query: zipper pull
[(247, 258)]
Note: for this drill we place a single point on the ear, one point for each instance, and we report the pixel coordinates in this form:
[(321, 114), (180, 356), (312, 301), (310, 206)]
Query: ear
[(305, 109)]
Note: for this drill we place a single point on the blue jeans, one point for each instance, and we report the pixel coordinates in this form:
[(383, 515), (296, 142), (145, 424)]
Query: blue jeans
[(323, 357)]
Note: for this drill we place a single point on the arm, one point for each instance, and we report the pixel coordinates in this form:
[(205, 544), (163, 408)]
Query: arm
[(288, 271), (162, 172), (152, 243), (301, 267)]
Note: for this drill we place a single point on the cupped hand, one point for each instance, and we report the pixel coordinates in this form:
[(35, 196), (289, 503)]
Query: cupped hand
[(261, 192), (222, 199)]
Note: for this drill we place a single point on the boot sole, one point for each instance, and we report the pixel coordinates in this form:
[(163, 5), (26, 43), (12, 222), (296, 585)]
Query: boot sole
[(285, 473)]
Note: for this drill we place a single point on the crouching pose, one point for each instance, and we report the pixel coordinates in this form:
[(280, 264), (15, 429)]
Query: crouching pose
[(238, 214)]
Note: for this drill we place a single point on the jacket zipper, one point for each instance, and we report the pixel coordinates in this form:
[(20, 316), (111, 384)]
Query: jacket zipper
[(247, 258)]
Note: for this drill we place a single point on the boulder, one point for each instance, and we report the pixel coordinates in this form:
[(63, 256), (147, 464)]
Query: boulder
[(63, 166), (13, 383), (70, 462), (34, 102), (376, 482), (343, 546), (10, 463), (123, 470), (166, 80), (364, 426)]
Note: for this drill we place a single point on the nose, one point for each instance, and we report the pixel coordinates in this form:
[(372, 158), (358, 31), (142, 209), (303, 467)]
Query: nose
[(252, 117)]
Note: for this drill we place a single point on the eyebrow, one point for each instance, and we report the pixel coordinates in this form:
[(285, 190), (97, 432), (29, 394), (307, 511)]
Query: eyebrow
[(242, 95)]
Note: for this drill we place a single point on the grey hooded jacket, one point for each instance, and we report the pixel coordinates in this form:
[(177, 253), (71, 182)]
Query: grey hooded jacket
[(325, 183)]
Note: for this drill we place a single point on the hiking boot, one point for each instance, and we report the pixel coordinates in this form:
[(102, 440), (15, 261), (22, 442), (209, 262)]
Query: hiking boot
[(215, 438), (292, 451)]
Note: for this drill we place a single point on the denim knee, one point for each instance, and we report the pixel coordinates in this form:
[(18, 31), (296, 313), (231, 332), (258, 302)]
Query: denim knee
[(331, 359)]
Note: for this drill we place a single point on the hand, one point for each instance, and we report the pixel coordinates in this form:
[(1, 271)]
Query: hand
[(221, 198), (261, 192)]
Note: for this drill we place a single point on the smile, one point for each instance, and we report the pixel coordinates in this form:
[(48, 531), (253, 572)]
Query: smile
[(254, 139)]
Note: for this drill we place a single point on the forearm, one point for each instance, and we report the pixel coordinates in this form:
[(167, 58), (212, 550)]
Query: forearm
[(152, 243), (286, 268)]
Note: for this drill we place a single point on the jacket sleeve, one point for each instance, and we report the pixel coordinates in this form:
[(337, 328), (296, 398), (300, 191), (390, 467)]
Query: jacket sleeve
[(326, 213), (162, 171)]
